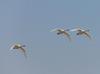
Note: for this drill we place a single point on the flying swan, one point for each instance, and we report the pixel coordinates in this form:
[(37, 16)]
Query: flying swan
[(81, 32), (60, 31), (19, 47)]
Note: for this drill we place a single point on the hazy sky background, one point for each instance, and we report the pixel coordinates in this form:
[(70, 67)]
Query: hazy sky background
[(30, 21)]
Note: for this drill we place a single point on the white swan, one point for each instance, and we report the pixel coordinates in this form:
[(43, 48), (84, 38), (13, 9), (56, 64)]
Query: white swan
[(61, 31), (81, 32), (19, 47)]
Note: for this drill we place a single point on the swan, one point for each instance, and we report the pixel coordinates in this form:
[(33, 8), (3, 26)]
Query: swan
[(19, 47), (81, 31), (60, 31)]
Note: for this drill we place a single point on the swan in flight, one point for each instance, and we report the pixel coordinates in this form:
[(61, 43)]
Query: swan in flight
[(62, 31), (19, 47), (82, 32)]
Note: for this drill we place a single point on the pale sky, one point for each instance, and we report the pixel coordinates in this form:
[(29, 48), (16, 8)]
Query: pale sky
[(29, 22)]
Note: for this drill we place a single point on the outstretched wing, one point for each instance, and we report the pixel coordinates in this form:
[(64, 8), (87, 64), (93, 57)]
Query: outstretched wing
[(11, 48), (67, 34), (73, 30), (54, 30), (77, 29), (23, 51), (85, 33)]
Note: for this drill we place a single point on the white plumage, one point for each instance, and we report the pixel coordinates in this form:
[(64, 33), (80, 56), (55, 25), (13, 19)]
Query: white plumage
[(81, 31), (19, 47), (61, 31)]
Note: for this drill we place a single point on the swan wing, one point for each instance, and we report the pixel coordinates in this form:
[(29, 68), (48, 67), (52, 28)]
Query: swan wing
[(67, 34)]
